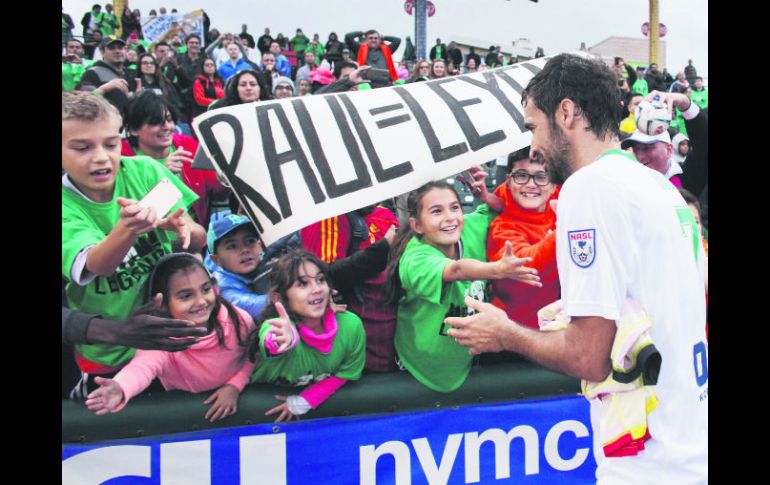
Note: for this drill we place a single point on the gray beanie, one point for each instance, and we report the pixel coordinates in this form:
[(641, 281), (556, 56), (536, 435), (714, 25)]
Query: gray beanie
[(284, 80)]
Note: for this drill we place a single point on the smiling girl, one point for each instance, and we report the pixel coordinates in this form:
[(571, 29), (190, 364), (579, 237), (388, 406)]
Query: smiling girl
[(302, 341), (184, 290), (434, 264)]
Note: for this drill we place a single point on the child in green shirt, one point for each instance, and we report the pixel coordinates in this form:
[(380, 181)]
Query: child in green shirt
[(109, 242), (434, 263), (302, 340)]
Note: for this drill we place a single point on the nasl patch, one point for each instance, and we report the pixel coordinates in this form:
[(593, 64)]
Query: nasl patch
[(582, 247)]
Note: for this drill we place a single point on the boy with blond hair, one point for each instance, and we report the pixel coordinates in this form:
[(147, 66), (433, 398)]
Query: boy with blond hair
[(109, 242)]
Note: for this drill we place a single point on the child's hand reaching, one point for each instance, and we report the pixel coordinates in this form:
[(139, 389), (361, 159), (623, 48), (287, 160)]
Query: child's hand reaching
[(283, 331), (107, 398), (176, 223), (478, 181), (136, 218), (512, 267), (225, 401), (291, 408)]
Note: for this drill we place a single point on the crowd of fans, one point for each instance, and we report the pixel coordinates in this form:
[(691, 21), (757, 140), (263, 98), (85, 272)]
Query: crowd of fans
[(193, 299)]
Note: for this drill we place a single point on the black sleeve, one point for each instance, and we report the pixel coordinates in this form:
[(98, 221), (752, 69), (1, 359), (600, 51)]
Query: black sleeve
[(336, 87), (631, 75), (185, 74), (345, 273), (350, 40), (696, 167), (74, 325), (393, 42)]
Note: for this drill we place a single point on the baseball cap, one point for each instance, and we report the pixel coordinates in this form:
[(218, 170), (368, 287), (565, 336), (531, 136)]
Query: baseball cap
[(222, 227), (639, 137), (108, 41)]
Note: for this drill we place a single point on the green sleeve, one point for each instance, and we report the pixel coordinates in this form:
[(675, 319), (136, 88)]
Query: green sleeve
[(263, 328), (355, 346), (475, 230), (262, 332), (420, 269), (77, 233)]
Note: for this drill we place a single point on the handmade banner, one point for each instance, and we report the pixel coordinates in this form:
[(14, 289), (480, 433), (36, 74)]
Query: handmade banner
[(293, 162), (166, 27), (531, 442)]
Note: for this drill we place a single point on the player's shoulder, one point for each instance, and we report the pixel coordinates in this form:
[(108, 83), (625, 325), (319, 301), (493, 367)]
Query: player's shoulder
[(607, 173)]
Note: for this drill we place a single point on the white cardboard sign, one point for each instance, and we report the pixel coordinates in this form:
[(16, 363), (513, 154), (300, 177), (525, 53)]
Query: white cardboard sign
[(293, 162)]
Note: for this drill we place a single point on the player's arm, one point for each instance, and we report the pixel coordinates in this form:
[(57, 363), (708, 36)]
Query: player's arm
[(582, 350)]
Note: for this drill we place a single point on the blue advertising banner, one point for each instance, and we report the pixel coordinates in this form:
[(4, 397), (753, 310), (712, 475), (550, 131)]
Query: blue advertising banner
[(544, 441)]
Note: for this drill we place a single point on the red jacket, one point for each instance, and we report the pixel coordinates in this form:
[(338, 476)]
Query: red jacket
[(202, 86), (530, 236), (363, 53), (203, 182)]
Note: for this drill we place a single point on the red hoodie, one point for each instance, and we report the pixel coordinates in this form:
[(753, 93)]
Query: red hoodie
[(533, 235)]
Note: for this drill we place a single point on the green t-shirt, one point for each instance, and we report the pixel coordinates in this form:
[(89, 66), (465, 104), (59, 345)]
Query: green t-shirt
[(86, 223), (640, 86), (701, 98), (432, 357), (72, 72), (304, 364), (300, 43), (171, 149), (70, 75), (109, 23)]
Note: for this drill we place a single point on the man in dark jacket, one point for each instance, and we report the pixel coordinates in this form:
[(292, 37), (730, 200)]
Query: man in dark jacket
[(654, 78), (108, 77), (189, 63), (438, 51), (455, 54), (491, 59), (374, 52), (247, 37), (91, 21), (264, 41)]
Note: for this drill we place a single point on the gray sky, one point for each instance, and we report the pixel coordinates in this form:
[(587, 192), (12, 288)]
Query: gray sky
[(555, 25)]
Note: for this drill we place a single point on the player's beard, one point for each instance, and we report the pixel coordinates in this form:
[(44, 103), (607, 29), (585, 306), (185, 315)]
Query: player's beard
[(557, 156)]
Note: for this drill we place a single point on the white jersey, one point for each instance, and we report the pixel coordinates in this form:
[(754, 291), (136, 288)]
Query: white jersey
[(623, 230)]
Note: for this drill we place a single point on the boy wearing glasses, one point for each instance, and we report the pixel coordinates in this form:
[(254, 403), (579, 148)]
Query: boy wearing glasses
[(529, 222)]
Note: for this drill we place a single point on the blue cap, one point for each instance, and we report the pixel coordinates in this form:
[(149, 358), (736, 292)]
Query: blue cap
[(221, 227)]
